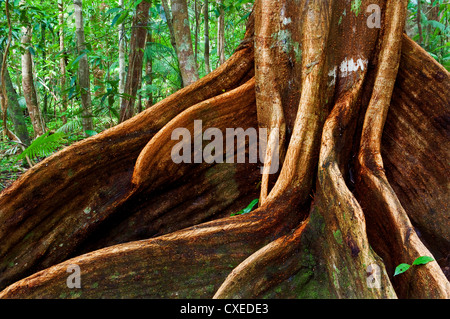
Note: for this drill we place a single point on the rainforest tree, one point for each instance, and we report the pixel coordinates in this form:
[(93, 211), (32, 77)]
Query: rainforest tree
[(360, 114)]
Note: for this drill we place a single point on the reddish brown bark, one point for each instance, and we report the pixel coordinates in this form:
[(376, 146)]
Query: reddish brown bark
[(348, 195)]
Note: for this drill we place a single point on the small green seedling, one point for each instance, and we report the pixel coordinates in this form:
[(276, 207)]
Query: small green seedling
[(400, 269), (247, 209)]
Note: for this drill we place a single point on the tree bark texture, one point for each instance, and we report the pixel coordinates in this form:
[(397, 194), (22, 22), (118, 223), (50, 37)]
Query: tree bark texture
[(221, 33), (122, 72), (185, 52), (62, 60), (14, 110), (363, 120), (29, 90), (168, 13), (84, 81), (149, 71), (206, 38)]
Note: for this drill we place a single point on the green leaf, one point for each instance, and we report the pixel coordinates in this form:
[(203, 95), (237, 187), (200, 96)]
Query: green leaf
[(118, 19), (74, 62), (248, 209), (401, 269), (423, 260), (115, 19), (436, 24), (356, 6), (90, 133), (113, 10), (32, 51)]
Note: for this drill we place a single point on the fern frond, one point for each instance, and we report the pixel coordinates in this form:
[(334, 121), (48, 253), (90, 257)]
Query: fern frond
[(43, 146), (73, 125)]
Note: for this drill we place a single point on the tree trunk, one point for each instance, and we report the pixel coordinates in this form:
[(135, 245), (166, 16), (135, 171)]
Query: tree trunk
[(83, 69), (168, 13), (197, 30), (3, 93), (361, 189), (182, 32), (432, 14), (419, 22), (221, 33), (206, 54), (14, 111), (62, 60), (122, 72), (136, 58), (44, 58), (98, 71), (149, 71), (29, 90), (169, 19)]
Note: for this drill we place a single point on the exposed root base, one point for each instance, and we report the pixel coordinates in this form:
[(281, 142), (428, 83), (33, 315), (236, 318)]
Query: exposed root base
[(120, 188)]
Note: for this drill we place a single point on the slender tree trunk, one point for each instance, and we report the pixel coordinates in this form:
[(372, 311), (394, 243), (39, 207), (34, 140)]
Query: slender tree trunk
[(221, 33), (14, 110), (432, 14), (29, 89), (99, 81), (83, 69), (149, 71), (419, 22), (3, 93), (206, 54), (197, 30), (44, 58), (62, 60), (98, 71), (169, 18), (182, 32), (136, 58), (168, 13), (122, 72)]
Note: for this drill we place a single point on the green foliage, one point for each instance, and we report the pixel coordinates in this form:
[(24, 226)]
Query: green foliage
[(101, 24), (248, 209), (90, 132), (102, 20), (43, 146), (434, 20), (356, 6), (423, 260), (400, 269), (10, 168)]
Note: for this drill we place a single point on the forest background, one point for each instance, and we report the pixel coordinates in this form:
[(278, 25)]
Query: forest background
[(68, 63)]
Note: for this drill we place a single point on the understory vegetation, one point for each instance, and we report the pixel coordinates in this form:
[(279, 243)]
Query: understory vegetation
[(102, 22)]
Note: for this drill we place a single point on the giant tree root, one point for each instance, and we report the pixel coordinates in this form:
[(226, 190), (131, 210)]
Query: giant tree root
[(340, 239), (400, 241), (61, 201), (423, 160)]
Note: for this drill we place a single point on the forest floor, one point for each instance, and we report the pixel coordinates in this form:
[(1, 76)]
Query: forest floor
[(10, 168)]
